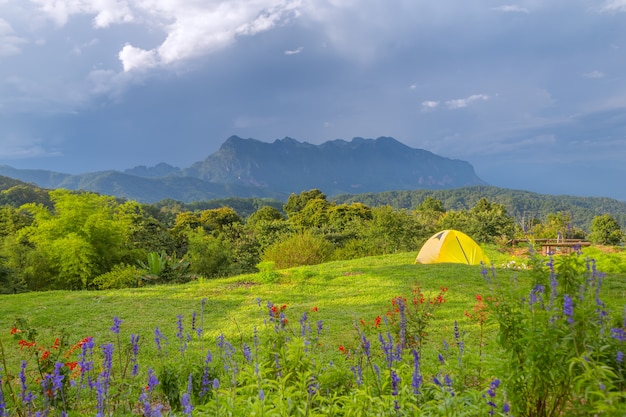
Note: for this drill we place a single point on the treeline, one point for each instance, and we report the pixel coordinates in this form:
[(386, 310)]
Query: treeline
[(80, 240), (524, 206)]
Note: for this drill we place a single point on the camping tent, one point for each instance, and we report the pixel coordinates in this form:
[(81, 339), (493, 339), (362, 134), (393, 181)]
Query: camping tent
[(451, 246)]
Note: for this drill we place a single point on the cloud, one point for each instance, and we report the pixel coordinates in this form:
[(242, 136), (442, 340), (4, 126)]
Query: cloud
[(429, 105), (15, 146), (107, 12), (594, 74), (9, 43), (511, 9), (137, 58), (195, 29), (294, 51), (464, 102), (614, 6)]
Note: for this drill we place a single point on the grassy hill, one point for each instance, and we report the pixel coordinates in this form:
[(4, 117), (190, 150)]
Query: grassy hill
[(342, 299)]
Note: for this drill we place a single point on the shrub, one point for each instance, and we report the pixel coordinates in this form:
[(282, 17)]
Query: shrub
[(299, 249), (120, 276)]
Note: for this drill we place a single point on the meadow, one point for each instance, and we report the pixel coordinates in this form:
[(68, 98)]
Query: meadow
[(373, 336)]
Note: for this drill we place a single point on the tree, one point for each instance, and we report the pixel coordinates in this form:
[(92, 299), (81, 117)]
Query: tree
[(605, 230), (296, 203), (82, 237)]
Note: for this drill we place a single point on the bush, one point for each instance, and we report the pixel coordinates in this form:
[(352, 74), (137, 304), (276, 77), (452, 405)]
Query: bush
[(121, 276), (299, 249)]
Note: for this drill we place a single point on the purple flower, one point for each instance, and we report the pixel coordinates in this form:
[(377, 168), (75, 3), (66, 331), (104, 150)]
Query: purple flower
[(185, 400), (568, 308), (247, 353), (261, 394), (506, 408), (320, 327), (366, 346), (358, 374), (216, 384), (618, 334), (492, 387), (416, 381), (441, 359), (3, 408), (205, 375), (116, 325), (395, 382), (159, 338), (134, 349), (620, 356)]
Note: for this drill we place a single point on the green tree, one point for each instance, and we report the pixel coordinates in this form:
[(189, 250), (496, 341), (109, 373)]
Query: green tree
[(81, 238), (300, 249), (605, 230), (296, 203), (210, 256)]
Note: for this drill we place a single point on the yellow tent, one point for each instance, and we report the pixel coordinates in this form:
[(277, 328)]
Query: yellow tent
[(451, 246)]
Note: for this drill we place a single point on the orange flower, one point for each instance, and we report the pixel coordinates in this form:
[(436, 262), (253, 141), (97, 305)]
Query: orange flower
[(56, 344), (15, 330), (363, 323), (45, 354), (24, 344), (314, 309), (377, 321), (71, 365)]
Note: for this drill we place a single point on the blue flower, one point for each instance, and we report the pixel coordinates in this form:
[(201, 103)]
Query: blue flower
[(116, 325), (568, 308)]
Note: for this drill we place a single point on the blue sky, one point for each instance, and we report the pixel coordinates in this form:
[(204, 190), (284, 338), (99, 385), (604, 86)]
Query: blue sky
[(531, 93)]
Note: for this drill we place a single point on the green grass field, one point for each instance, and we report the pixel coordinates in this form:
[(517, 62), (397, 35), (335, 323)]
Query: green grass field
[(344, 292), (340, 293)]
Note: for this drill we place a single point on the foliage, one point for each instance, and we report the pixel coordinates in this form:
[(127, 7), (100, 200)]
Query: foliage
[(605, 230), (120, 276), (164, 268), (299, 249)]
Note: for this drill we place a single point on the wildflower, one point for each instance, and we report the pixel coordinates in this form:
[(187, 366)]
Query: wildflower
[(358, 374), (14, 330), (116, 325), (506, 407), (3, 407), (320, 327), (441, 359), (395, 382), (568, 308), (314, 309), (185, 400), (247, 353), (416, 381), (618, 334), (134, 342), (216, 384), (377, 321), (342, 349), (366, 346), (620, 356), (261, 394), (205, 375)]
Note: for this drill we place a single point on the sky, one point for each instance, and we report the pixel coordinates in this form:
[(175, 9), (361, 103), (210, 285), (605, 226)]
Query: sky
[(532, 93)]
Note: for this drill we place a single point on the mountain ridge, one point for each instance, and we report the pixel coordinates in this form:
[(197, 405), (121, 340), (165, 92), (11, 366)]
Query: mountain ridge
[(253, 168)]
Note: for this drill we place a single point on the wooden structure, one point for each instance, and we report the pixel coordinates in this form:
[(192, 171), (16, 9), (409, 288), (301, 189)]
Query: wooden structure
[(563, 247), (555, 246)]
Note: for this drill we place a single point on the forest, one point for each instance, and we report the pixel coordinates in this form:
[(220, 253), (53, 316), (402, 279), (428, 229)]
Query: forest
[(63, 239)]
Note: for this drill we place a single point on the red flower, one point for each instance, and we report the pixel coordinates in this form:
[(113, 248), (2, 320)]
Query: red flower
[(363, 323), (24, 344), (377, 321), (71, 365), (15, 330), (314, 309), (45, 354), (56, 344), (342, 349)]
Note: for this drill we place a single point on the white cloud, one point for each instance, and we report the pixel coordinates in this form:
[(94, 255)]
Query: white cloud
[(594, 74), (429, 105), (106, 12), (137, 58), (464, 102), (294, 51), (511, 9), (9, 43), (195, 29), (614, 6)]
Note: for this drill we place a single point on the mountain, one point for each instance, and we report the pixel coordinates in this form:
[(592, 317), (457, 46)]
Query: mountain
[(252, 168)]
